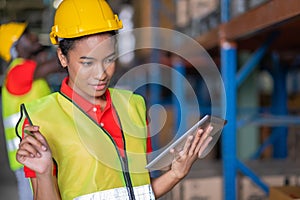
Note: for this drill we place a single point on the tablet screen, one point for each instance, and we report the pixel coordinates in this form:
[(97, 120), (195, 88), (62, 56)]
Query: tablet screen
[(165, 158)]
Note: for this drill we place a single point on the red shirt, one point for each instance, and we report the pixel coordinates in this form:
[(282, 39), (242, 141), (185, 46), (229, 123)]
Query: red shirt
[(107, 118)]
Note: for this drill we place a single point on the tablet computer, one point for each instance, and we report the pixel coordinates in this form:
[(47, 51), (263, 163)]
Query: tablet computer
[(165, 158)]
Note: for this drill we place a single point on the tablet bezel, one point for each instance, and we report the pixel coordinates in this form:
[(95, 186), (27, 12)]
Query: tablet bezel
[(165, 158)]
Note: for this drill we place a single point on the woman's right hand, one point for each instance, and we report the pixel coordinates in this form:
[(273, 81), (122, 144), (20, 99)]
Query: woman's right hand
[(34, 151)]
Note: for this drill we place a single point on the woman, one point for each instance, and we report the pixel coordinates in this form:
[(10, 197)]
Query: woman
[(93, 140)]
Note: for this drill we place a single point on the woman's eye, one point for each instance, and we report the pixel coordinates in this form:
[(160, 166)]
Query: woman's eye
[(87, 63), (109, 60)]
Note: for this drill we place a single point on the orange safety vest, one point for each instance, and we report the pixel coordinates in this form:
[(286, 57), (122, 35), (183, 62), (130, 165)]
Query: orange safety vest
[(88, 160), (11, 111)]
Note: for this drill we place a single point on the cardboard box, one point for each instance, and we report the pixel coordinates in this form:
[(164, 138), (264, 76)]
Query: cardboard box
[(208, 188), (248, 190), (285, 193)]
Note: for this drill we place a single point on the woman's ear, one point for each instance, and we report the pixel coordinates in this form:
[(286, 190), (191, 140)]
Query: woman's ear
[(62, 58)]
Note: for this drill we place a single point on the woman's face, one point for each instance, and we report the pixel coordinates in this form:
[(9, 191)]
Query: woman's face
[(91, 65)]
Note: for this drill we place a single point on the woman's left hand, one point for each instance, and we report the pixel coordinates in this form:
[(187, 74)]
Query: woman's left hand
[(193, 148)]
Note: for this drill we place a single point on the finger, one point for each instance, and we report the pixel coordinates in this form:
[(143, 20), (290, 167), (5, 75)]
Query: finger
[(43, 142), (195, 141), (35, 137), (178, 154), (23, 152), (186, 146), (175, 153), (22, 156), (172, 150), (205, 134), (32, 140), (32, 144), (29, 147), (205, 144), (28, 129), (203, 138), (25, 160), (21, 159)]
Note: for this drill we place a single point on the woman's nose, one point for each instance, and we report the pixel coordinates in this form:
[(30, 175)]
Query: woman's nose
[(99, 72)]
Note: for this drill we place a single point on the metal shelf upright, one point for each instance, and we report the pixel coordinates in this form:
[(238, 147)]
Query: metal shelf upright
[(230, 31)]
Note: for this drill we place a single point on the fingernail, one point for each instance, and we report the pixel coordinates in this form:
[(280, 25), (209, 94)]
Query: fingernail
[(200, 132), (38, 155), (31, 155), (44, 148)]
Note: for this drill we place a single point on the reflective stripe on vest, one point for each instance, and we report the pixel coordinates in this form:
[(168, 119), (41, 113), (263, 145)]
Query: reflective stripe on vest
[(11, 121), (13, 144), (143, 192)]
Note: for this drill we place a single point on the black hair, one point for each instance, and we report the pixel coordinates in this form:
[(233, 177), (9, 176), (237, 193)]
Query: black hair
[(67, 44)]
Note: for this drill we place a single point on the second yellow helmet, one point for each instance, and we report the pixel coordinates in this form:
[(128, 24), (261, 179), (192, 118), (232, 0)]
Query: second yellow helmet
[(9, 34), (75, 18)]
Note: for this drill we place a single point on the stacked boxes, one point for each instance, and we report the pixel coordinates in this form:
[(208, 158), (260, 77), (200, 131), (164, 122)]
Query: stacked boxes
[(205, 181)]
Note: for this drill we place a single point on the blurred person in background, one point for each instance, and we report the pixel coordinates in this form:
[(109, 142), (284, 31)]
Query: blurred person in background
[(29, 63)]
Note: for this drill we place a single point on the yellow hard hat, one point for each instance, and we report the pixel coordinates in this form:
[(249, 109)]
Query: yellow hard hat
[(75, 18), (9, 34)]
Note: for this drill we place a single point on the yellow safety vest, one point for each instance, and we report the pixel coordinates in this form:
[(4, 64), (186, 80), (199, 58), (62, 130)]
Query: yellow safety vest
[(88, 160), (11, 112)]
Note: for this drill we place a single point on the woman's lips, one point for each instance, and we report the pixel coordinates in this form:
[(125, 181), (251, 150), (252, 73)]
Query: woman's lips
[(101, 86)]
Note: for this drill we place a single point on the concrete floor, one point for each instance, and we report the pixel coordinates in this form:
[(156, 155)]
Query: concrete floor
[(8, 183)]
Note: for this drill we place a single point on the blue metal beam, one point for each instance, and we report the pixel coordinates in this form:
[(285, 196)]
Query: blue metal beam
[(228, 69), (250, 65), (229, 64), (252, 176), (154, 77), (155, 74), (179, 101), (279, 107), (225, 10)]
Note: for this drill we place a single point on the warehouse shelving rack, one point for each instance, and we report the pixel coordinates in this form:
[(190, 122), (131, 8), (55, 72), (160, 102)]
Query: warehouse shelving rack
[(263, 22), (270, 27)]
